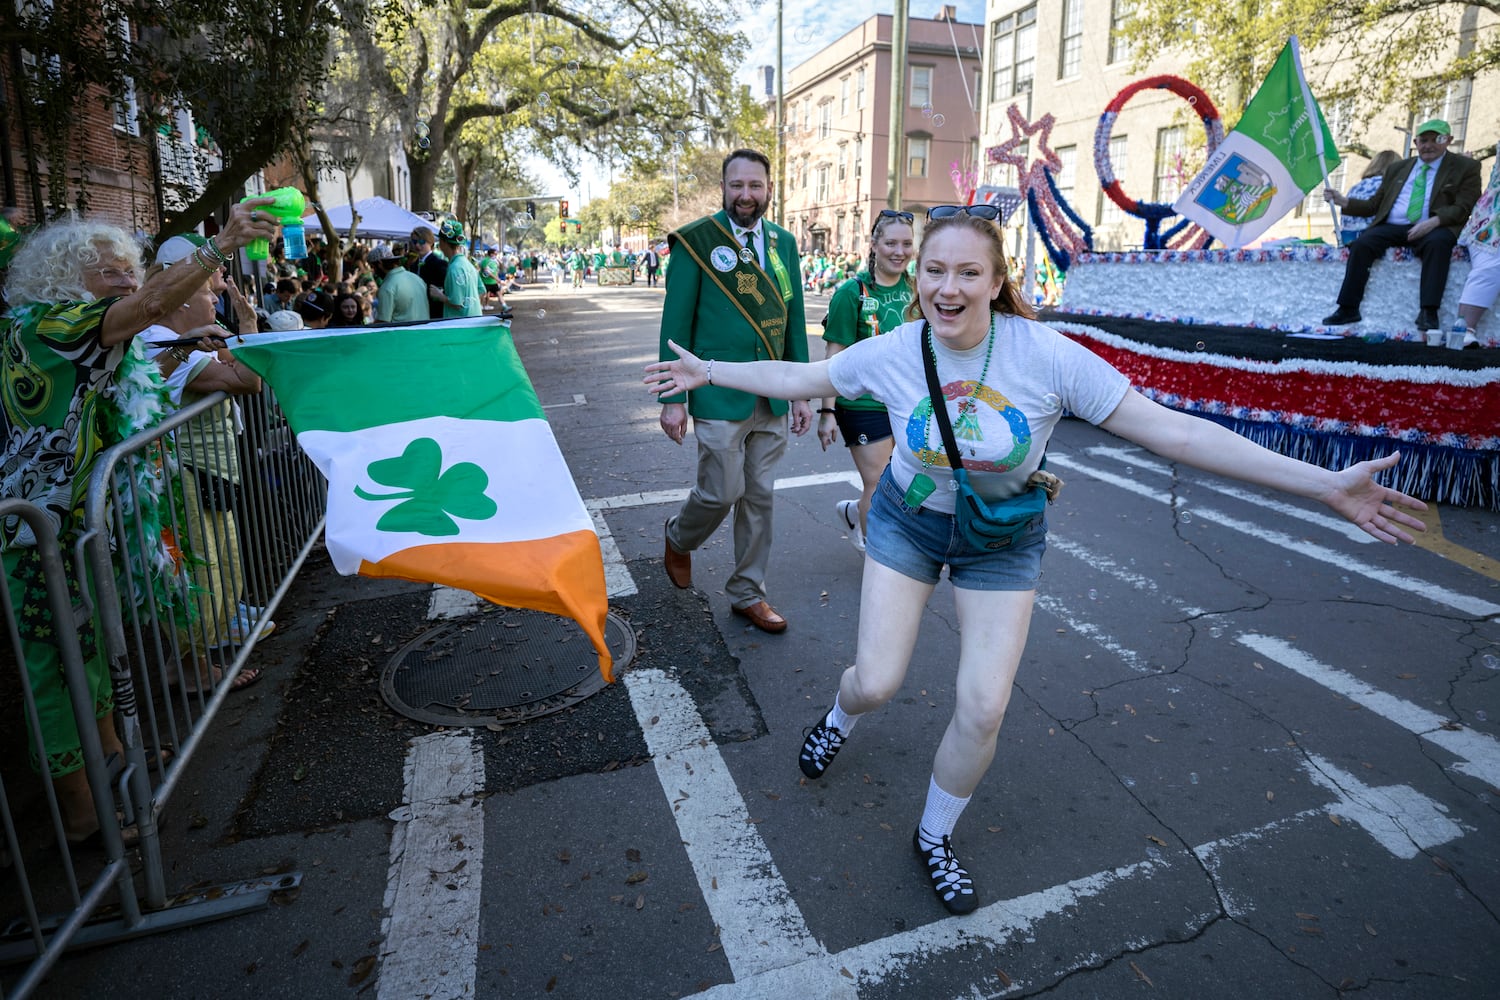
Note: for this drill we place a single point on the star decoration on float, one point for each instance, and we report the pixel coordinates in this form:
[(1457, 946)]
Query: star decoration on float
[(1030, 174)]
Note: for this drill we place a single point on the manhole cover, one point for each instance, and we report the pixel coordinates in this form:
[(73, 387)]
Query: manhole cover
[(499, 667)]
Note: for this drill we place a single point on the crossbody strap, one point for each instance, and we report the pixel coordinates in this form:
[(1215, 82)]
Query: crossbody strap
[(940, 404)]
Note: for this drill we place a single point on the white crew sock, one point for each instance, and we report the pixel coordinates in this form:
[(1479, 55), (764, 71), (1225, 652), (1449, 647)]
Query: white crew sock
[(940, 815), (840, 719)]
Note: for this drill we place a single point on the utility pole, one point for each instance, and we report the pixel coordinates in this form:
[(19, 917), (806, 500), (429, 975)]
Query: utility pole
[(780, 215), (896, 165)]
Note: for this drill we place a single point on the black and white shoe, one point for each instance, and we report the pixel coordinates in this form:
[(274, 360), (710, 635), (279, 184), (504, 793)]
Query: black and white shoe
[(820, 746), (954, 887), (848, 511)]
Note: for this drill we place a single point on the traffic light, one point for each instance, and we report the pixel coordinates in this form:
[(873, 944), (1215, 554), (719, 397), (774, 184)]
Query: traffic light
[(531, 209), (562, 208)]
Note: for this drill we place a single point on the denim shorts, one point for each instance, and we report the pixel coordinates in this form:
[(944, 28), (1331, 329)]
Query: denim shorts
[(862, 426), (917, 543)]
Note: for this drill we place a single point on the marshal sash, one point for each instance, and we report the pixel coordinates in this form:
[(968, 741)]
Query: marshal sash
[(713, 247)]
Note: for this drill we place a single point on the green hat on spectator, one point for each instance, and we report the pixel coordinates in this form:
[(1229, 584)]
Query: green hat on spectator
[(1435, 125)]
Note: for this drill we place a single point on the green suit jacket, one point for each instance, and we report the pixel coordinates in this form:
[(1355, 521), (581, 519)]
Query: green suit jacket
[(702, 319)]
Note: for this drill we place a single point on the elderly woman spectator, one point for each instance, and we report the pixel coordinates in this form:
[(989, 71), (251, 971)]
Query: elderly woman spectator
[(211, 470), (75, 382)]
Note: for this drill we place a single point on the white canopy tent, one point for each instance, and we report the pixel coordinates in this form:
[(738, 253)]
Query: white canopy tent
[(378, 217)]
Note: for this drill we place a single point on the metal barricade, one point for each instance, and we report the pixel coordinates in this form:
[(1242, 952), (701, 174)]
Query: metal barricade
[(180, 567)]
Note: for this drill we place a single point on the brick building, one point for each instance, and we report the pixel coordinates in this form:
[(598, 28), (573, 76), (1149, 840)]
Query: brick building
[(110, 165), (838, 128)]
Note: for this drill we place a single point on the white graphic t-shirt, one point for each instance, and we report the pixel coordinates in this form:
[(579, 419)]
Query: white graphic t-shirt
[(1002, 424)]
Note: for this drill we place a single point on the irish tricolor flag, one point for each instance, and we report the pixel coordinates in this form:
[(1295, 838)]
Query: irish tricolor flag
[(441, 467)]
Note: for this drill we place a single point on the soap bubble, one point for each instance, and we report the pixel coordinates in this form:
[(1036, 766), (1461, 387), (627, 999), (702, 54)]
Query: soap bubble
[(573, 66), (927, 111), (1186, 517), (543, 99), (679, 136), (541, 314), (1052, 401), (1093, 595), (937, 121), (423, 142), (420, 130), (1490, 662), (633, 213), (1192, 99), (522, 221), (1199, 346), (555, 52), (803, 35), (691, 179), (746, 255)]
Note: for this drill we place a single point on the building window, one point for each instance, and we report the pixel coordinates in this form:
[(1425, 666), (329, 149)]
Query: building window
[(1120, 12), (1451, 104), (806, 114), (1169, 164), (825, 119), (859, 158), (838, 231), (1013, 54), (1067, 176), (1110, 213), (843, 97), (822, 193), (1070, 55), (918, 151), (843, 161), (921, 86), (859, 87), (127, 114), (804, 172)]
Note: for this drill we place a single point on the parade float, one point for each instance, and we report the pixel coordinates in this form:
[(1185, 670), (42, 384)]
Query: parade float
[(1232, 335)]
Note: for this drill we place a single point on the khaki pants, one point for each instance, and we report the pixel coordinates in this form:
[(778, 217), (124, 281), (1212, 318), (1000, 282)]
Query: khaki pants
[(736, 462)]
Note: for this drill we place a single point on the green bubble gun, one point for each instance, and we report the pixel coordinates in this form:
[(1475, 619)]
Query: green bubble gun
[(288, 211)]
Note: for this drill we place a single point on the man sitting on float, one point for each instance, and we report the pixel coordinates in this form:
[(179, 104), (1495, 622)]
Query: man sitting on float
[(1422, 202)]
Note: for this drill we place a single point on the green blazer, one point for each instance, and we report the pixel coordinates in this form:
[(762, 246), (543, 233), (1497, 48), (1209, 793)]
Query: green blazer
[(701, 318)]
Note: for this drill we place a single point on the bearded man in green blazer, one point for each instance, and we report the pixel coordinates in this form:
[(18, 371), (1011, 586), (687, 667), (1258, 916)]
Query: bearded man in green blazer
[(734, 293)]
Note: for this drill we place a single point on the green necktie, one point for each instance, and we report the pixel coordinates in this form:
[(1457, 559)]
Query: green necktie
[(1418, 195)]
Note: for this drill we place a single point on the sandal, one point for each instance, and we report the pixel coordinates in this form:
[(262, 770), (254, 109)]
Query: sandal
[(130, 835), (156, 758), (245, 678)]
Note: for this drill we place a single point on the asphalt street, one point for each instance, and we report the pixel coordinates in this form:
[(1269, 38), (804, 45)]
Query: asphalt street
[(1250, 753)]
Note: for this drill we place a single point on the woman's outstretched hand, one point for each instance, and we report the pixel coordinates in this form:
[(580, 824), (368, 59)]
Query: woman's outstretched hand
[(668, 378), (1376, 509)]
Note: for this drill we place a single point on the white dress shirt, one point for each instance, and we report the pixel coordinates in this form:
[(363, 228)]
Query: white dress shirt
[(1398, 210)]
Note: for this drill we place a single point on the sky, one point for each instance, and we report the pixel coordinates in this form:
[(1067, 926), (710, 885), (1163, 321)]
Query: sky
[(809, 26)]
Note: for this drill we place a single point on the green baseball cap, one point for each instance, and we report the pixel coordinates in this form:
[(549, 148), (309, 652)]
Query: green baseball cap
[(1436, 125)]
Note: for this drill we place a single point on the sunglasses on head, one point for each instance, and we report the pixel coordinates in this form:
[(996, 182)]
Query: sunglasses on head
[(890, 213), (987, 212)]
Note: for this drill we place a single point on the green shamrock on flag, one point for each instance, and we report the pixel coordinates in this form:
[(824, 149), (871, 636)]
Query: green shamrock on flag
[(433, 497)]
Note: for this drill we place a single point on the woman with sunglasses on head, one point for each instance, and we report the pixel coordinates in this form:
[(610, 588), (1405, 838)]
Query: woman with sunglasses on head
[(1005, 380), (872, 302)]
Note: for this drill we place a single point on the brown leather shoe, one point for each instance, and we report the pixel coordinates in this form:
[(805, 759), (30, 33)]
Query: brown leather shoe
[(763, 617), (679, 565)]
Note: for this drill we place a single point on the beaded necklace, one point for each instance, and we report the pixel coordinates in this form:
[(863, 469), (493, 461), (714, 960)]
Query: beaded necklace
[(922, 485), (967, 424)]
